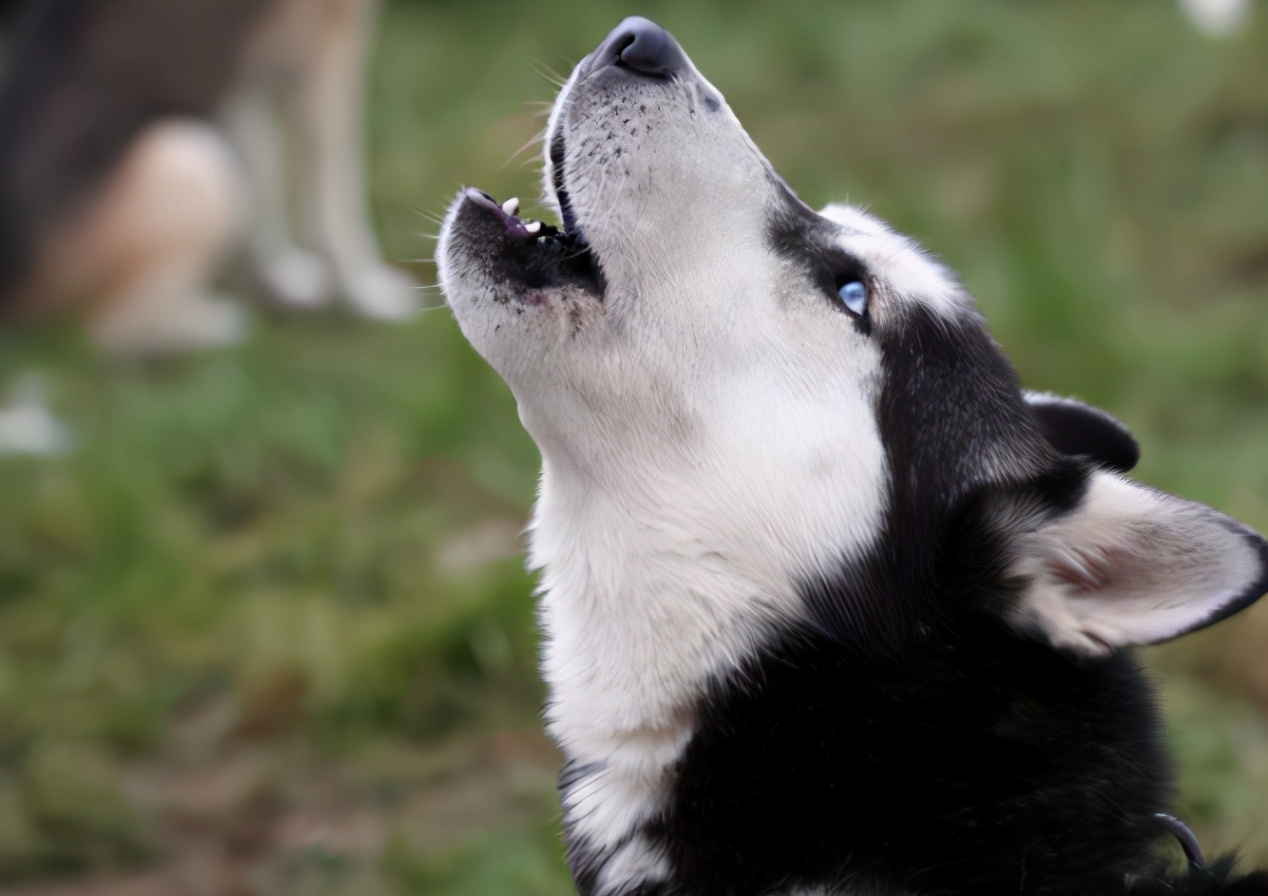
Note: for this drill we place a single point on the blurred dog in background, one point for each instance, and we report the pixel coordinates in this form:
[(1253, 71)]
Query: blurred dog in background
[(1217, 18), (141, 140)]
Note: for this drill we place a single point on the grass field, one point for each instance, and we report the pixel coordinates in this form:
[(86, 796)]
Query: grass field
[(267, 629)]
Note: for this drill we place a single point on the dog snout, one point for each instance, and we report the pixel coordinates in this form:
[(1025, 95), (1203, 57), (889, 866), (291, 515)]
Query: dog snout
[(642, 46)]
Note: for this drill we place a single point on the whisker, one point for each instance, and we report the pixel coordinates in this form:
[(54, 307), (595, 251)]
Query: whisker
[(428, 216), (536, 138), (550, 74), (426, 308)]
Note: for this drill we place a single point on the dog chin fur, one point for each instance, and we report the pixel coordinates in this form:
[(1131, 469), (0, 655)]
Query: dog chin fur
[(830, 604)]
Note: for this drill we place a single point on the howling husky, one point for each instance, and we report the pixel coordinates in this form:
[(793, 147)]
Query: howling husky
[(831, 605)]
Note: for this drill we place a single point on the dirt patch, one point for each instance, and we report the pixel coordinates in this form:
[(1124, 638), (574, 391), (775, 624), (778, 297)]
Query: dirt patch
[(235, 816)]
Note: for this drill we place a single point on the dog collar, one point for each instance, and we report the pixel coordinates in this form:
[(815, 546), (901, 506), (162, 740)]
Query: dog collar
[(1188, 841)]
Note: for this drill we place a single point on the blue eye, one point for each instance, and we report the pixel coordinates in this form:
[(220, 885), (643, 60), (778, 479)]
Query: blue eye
[(854, 296)]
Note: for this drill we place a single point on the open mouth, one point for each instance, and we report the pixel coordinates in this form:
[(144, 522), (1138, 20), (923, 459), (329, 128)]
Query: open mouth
[(534, 253)]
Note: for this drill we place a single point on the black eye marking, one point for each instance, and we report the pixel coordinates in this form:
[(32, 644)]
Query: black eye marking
[(846, 280), (809, 241)]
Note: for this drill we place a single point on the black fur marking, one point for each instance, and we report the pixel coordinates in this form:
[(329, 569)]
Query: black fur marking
[(949, 406), (567, 217), (1076, 428), (976, 763), (1215, 881), (808, 241), (975, 758)]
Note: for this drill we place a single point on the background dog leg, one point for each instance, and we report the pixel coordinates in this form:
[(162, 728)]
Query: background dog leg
[(291, 275), (330, 123), (153, 239)]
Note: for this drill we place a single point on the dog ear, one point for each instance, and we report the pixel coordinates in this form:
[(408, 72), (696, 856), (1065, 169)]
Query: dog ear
[(1077, 428), (1131, 565)]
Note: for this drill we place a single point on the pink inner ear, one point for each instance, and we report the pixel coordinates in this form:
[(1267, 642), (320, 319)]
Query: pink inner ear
[(1134, 566), (1084, 570)]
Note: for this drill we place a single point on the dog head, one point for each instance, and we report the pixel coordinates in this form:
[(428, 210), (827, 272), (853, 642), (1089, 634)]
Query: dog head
[(800, 397)]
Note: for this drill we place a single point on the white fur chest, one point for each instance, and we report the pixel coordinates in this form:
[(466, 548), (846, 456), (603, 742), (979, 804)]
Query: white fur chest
[(637, 614), (654, 581)]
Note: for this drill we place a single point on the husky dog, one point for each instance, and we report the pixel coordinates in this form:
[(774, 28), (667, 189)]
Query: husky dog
[(830, 604), (125, 129)]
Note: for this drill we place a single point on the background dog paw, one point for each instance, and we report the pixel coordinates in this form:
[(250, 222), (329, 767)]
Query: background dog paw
[(297, 279), (382, 293)]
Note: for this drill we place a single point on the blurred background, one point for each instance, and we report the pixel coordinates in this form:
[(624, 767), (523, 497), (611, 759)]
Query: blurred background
[(265, 630)]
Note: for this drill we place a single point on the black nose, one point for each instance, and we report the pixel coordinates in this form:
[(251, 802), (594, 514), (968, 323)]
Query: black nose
[(640, 45)]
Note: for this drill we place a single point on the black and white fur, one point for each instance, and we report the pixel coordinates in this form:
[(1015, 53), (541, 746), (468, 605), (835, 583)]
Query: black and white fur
[(830, 604)]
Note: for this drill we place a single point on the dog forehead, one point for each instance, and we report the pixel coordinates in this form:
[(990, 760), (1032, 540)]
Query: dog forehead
[(898, 261)]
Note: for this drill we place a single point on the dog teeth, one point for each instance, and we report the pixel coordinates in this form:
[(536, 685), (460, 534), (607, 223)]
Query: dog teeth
[(511, 206), (533, 226)]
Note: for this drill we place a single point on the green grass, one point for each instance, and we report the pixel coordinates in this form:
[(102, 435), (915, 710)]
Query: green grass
[(300, 557)]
